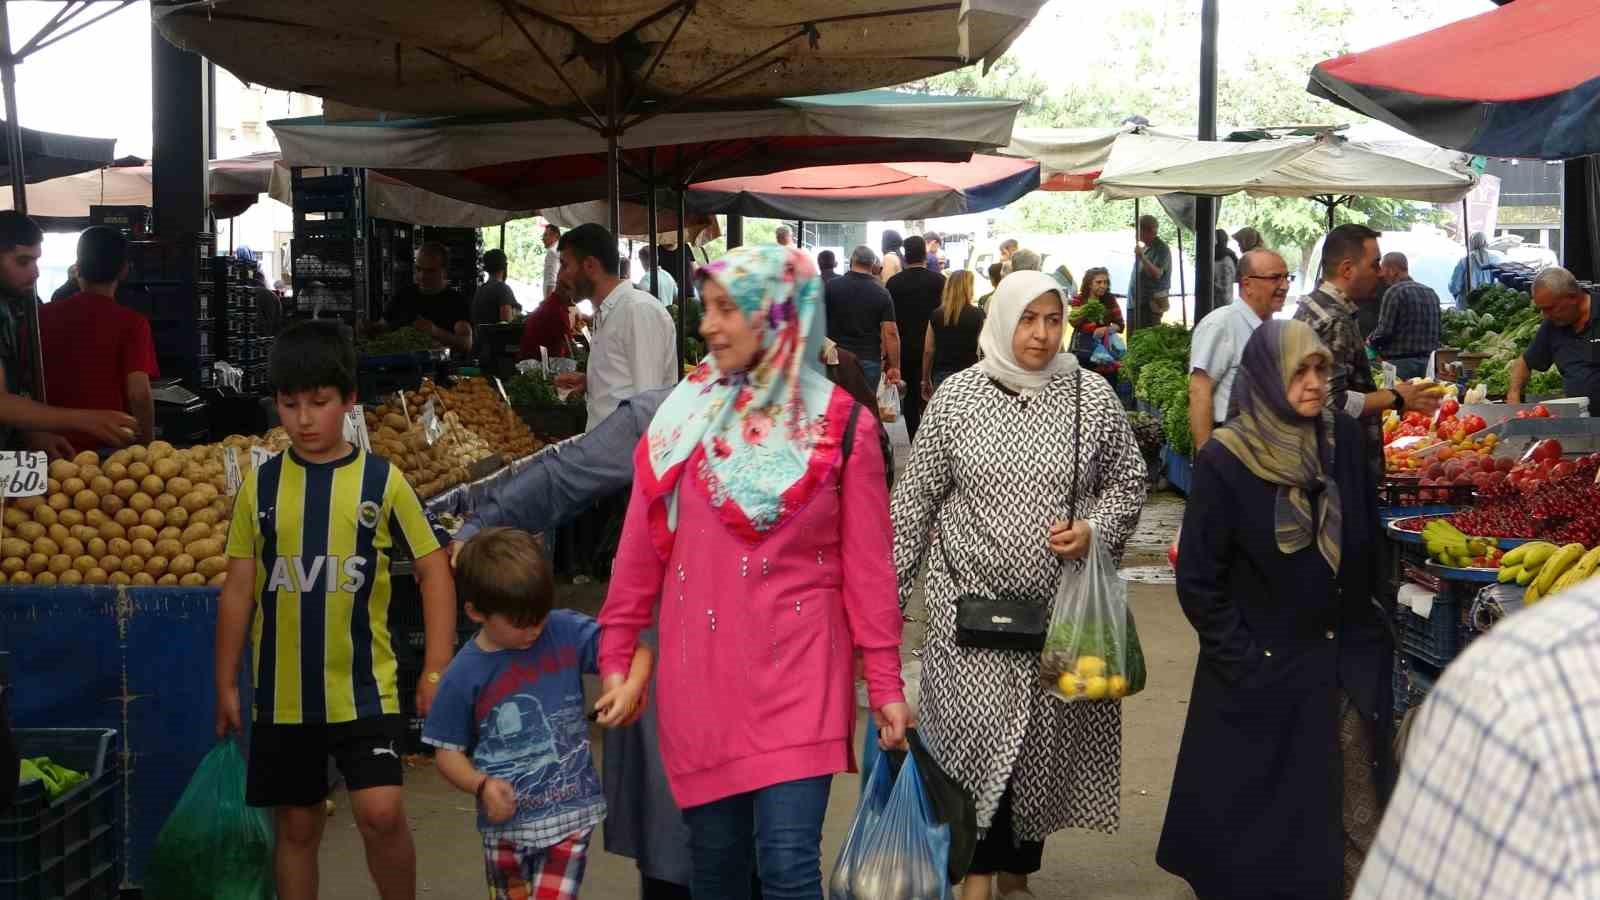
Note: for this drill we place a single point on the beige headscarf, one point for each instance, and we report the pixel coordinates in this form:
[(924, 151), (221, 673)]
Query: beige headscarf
[(1013, 295)]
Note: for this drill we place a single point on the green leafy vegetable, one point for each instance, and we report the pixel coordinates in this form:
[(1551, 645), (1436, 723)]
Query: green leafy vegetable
[(400, 340)]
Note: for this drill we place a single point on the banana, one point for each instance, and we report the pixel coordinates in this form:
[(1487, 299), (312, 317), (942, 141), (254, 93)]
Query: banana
[(1556, 566), (1509, 574), (1587, 564), (1517, 555), (1567, 579), (1531, 596), (1527, 576), (1537, 553)]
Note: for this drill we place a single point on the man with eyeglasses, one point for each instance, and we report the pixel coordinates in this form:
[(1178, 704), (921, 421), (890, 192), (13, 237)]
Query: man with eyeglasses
[(1218, 341), (430, 305), (1350, 277)]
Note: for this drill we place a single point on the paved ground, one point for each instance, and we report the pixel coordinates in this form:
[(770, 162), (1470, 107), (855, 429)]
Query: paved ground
[(1078, 865)]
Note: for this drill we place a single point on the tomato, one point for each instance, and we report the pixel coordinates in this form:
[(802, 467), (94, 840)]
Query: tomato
[(1540, 412), (1448, 427), (1416, 418), (1449, 408), (1562, 468), (1473, 424)]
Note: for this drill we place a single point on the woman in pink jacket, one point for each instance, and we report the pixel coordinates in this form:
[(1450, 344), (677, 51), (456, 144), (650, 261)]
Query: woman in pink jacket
[(758, 539)]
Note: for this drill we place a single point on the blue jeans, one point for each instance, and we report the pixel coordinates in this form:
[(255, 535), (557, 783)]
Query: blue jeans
[(873, 369), (1410, 366), (776, 830)]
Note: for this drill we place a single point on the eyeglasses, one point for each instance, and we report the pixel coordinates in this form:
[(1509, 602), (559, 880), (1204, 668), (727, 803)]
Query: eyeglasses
[(1275, 279)]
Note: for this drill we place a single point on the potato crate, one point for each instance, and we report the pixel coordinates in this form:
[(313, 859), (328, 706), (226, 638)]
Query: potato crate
[(71, 847)]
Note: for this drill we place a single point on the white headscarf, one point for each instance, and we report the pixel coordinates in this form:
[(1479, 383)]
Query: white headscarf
[(1015, 292)]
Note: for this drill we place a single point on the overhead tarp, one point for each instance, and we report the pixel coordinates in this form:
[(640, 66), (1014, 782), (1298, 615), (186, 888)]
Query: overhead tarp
[(538, 161), (47, 155), (236, 184), (1069, 158), (1517, 81), (1147, 165), (868, 191), (699, 228), (486, 56)]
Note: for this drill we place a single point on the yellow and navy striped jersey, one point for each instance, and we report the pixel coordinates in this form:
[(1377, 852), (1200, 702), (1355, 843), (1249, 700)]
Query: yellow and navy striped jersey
[(321, 536)]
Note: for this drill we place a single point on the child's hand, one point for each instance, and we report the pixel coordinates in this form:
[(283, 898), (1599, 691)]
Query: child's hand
[(227, 711), (622, 703), (893, 720), (499, 800)]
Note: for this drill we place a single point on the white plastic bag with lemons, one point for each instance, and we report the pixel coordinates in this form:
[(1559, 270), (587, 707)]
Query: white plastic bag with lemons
[(1092, 650)]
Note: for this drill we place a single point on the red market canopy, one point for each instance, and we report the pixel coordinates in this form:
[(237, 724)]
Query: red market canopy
[(866, 191), (1517, 81)]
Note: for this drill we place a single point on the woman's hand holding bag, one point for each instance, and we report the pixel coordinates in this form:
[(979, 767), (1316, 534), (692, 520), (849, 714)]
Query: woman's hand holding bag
[(1070, 541)]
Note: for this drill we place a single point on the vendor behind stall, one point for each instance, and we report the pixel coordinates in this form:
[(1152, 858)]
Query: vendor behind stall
[(24, 423), (1569, 339), (431, 306), (99, 354)]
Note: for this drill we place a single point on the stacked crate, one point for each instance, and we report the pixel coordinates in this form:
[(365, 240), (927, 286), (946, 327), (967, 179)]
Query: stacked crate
[(330, 245), (466, 255), (174, 285), (243, 342), (393, 255)]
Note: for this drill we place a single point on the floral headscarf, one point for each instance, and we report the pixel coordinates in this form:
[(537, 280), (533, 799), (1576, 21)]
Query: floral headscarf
[(768, 435)]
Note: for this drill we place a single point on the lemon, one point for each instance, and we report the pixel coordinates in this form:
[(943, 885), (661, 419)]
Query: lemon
[(1069, 685), (1095, 688), (1090, 666), (1116, 687)]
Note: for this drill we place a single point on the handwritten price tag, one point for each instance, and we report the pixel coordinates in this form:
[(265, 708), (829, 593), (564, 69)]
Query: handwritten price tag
[(432, 427), (230, 470), (355, 428), (26, 473), (259, 455)]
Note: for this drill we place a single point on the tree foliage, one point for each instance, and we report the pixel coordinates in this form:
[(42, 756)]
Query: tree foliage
[(1148, 66)]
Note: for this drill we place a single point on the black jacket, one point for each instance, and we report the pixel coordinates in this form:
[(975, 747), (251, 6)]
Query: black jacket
[(1255, 810)]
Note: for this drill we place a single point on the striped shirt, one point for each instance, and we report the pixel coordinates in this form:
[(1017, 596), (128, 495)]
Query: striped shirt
[(322, 535), (1499, 796)]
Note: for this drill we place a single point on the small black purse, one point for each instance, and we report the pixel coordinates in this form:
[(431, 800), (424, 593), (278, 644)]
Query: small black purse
[(1010, 620)]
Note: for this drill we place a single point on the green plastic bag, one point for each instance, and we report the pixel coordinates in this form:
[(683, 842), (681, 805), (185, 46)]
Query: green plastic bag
[(213, 846)]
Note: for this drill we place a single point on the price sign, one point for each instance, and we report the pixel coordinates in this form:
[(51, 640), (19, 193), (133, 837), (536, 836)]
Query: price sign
[(259, 455), (400, 398), (26, 473), (432, 426), (355, 428), (230, 470), (503, 395)]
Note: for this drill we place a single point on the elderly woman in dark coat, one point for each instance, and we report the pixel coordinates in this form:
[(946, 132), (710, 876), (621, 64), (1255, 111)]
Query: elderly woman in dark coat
[(1285, 763)]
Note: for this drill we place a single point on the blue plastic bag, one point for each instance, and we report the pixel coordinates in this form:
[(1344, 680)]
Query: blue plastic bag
[(1108, 350), (213, 846), (895, 850)]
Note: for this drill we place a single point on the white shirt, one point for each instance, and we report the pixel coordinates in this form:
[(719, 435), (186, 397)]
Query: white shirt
[(669, 285), (1216, 348), (552, 268), (634, 350)]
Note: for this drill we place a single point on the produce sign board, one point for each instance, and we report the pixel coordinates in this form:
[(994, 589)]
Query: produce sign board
[(355, 428), (26, 473)]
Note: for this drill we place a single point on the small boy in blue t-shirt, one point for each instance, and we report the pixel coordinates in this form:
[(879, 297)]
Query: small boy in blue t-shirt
[(508, 722)]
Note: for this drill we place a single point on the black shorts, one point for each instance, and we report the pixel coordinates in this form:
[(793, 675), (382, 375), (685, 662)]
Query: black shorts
[(289, 763)]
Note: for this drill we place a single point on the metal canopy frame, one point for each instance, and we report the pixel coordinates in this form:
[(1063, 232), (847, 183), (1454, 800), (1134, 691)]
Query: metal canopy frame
[(61, 26)]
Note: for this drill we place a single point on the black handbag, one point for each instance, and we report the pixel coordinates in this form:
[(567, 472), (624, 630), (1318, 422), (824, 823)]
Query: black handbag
[(1009, 620)]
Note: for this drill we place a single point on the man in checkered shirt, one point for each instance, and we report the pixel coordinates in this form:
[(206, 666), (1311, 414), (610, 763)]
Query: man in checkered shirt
[(1499, 796)]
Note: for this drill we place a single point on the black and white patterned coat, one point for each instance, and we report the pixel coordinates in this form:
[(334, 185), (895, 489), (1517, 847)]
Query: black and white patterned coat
[(989, 473)]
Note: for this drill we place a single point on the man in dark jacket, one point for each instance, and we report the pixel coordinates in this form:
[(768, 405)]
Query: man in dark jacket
[(916, 292)]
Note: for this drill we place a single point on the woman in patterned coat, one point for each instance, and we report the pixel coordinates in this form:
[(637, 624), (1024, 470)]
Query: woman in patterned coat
[(1010, 452)]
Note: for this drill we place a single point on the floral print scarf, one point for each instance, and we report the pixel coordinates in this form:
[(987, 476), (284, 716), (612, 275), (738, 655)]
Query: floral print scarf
[(762, 441)]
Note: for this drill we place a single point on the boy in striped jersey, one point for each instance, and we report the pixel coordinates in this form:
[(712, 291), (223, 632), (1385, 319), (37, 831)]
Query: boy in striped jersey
[(313, 532)]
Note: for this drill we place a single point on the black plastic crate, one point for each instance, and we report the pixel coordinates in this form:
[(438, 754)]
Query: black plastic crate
[(1410, 492), (1437, 639), (380, 376), (69, 848)]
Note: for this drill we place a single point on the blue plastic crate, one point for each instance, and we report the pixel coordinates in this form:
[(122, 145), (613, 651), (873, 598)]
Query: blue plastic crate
[(71, 847), (1180, 470), (1437, 639)]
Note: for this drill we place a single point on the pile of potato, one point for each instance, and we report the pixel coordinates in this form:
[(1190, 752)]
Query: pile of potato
[(397, 434), (147, 515), (485, 412)]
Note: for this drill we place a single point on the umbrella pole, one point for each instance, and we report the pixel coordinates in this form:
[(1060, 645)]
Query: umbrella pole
[(800, 233), (653, 226), (1183, 288), (19, 190), (1135, 309), (613, 145), (8, 75), (683, 274)]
